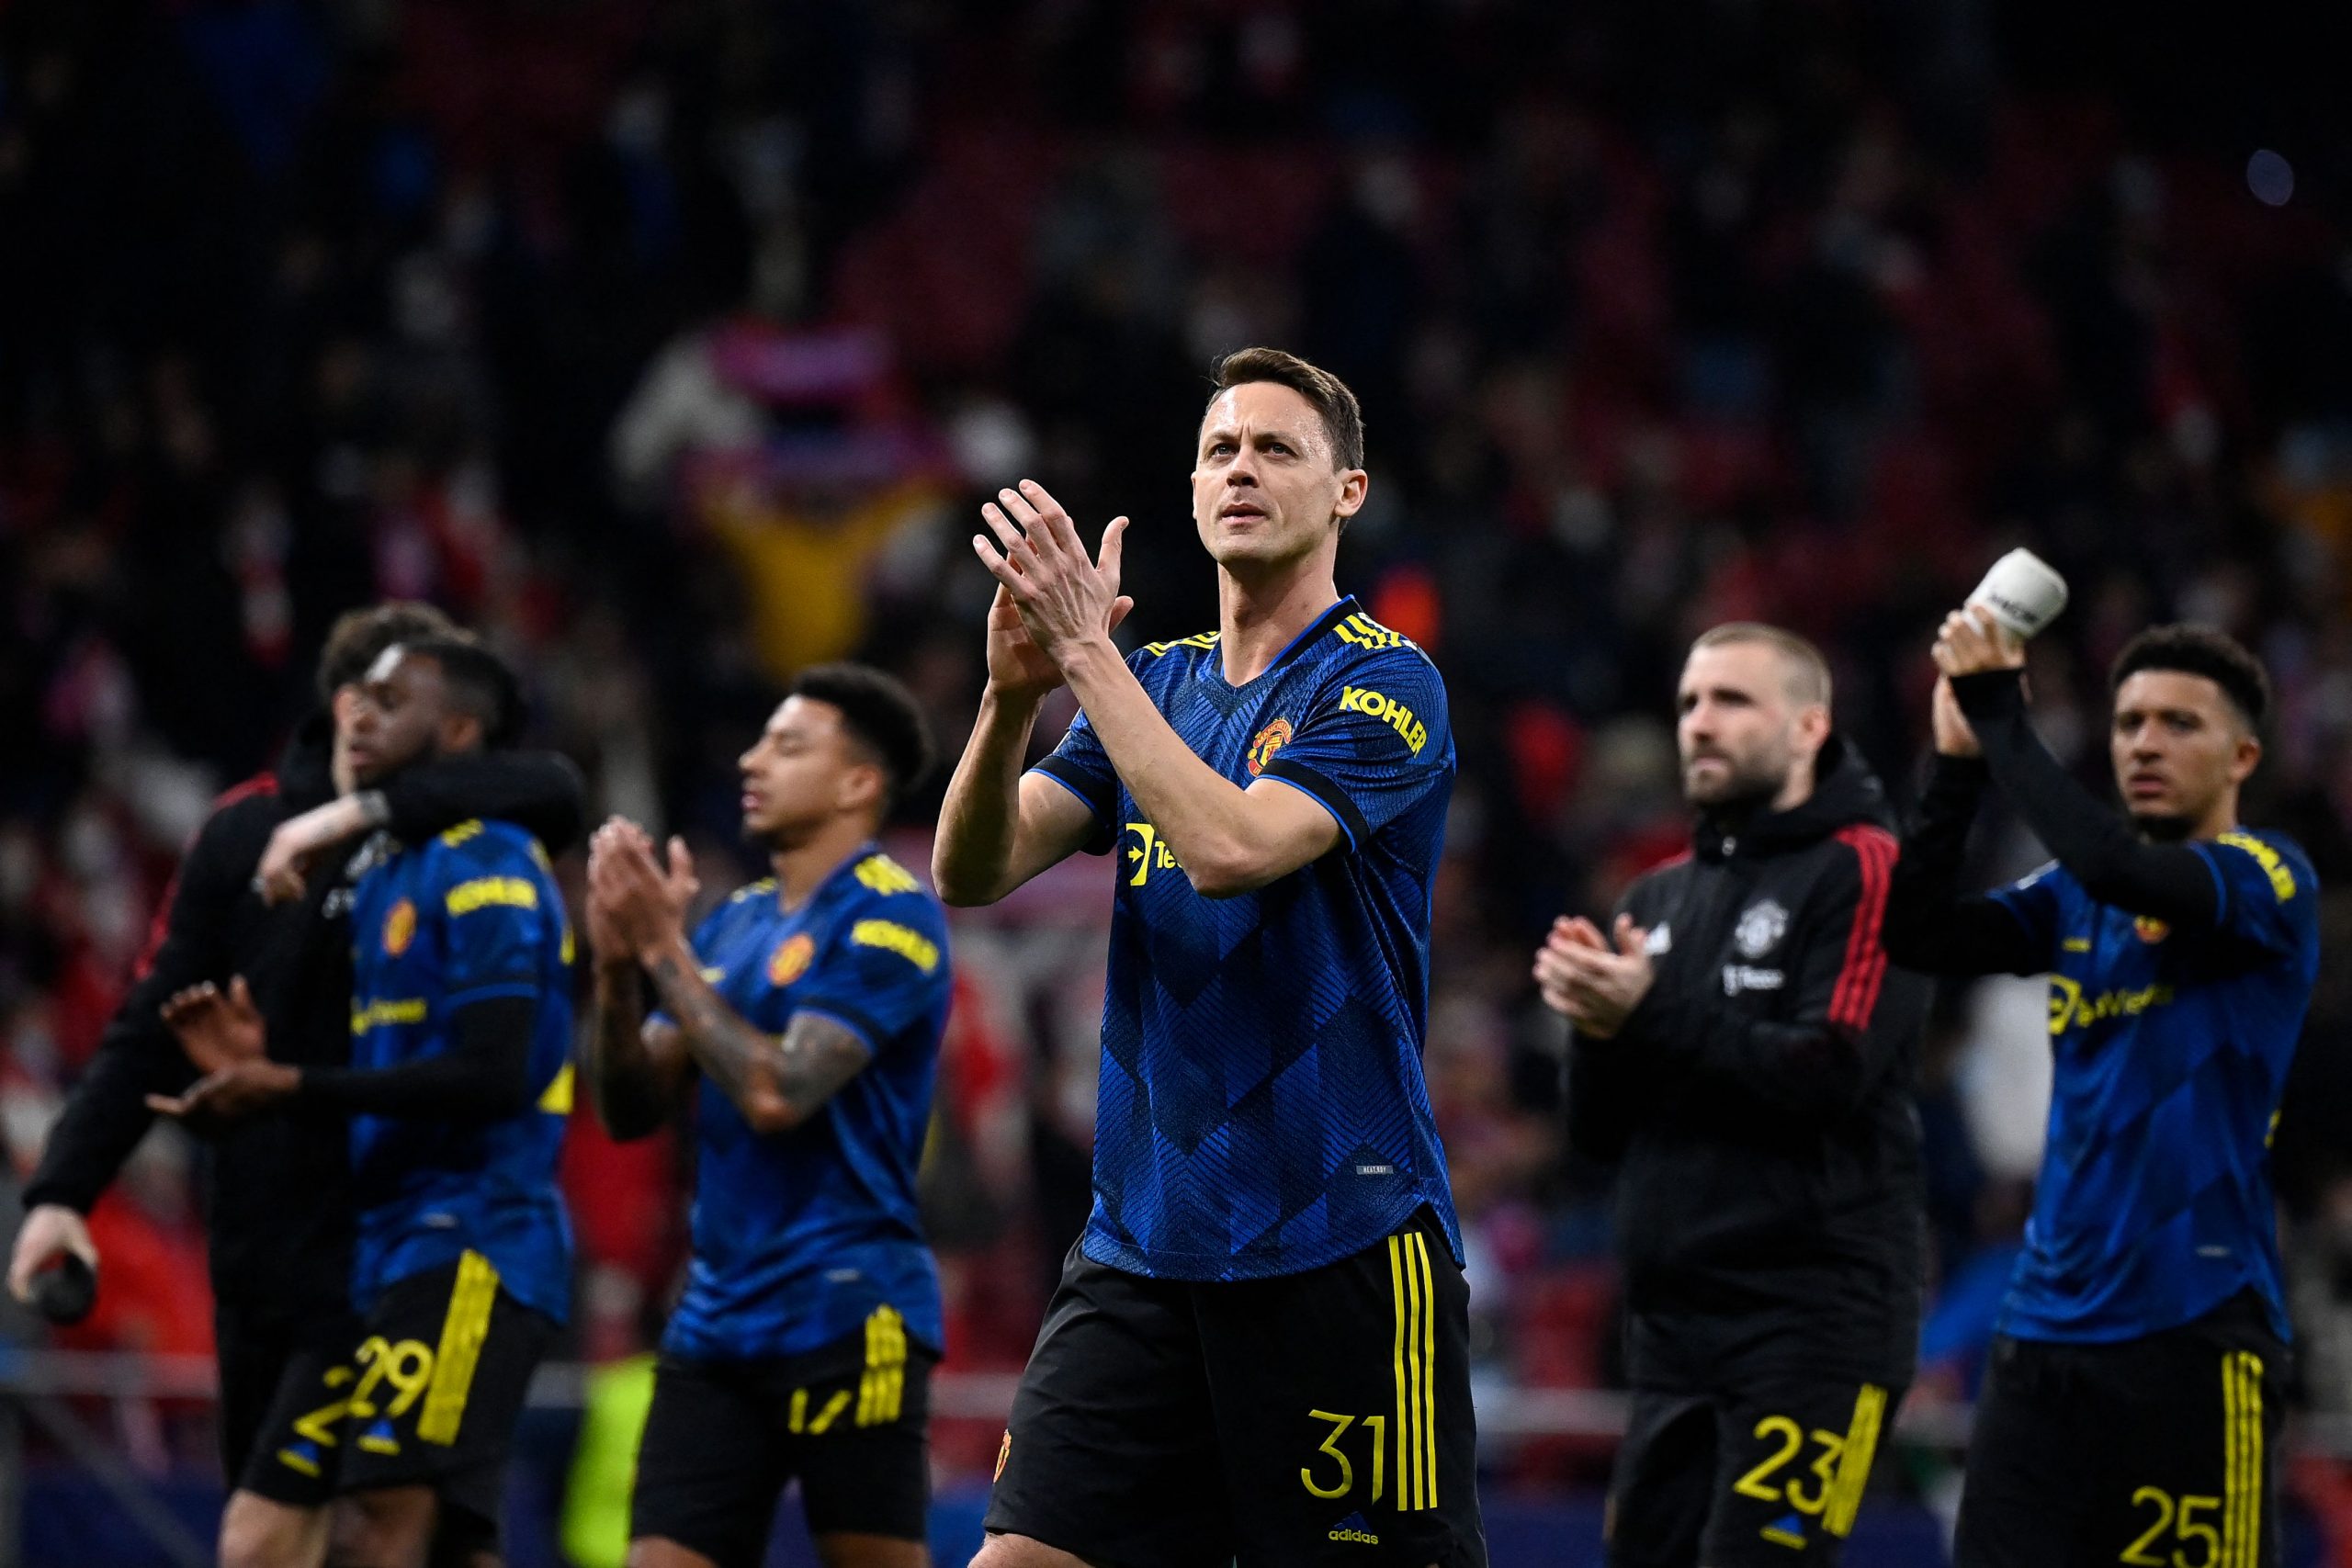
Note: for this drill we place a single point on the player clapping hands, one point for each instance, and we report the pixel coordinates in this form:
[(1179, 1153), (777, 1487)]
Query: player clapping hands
[(1593, 983)]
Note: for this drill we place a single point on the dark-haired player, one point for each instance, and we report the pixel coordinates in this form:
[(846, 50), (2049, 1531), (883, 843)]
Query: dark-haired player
[(1259, 1346), (456, 1092), (2131, 1412), (810, 1005), (279, 1210)]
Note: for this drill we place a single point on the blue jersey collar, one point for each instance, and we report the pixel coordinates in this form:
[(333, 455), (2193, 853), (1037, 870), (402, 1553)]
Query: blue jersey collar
[(855, 858), (1344, 606)]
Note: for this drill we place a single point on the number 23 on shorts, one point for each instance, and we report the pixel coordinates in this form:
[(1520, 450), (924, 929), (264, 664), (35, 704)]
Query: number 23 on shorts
[(1840, 1470)]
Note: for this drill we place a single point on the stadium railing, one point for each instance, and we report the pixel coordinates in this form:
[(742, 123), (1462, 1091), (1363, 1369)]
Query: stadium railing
[(1518, 1412)]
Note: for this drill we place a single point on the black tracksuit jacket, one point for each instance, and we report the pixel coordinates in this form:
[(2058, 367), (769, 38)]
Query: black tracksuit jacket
[(277, 1203), (1758, 1103)]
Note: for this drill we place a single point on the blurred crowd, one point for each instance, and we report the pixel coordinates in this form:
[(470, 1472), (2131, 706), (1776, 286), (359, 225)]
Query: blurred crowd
[(669, 343)]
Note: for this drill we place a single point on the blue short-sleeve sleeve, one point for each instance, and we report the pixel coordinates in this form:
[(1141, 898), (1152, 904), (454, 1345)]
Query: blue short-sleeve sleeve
[(496, 907), (2034, 900), (884, 968), (1377, 744), (1081, 765), (2269, 892)]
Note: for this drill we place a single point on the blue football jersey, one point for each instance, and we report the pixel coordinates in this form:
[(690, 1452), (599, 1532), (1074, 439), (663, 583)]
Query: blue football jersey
[(2170, 1054), (801, 1236), (1261, 1110), (472, 915)]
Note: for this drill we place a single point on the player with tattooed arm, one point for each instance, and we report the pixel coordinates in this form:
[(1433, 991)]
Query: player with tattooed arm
[(809, 1006)]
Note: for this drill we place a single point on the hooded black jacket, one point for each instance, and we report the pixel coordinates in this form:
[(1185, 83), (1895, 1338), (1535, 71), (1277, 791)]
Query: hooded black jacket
[(1758, 1103), (278, 1205)]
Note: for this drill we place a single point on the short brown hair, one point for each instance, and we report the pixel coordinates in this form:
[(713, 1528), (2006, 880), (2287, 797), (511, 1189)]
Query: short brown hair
[(1808, 670), (1342, 416), (358, 639)]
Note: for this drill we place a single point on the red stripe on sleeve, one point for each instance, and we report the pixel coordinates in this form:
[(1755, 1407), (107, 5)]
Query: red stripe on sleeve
[(1864, 970), (159, 927)]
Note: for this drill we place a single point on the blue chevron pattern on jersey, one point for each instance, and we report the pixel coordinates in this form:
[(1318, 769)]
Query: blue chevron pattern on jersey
[(2154, 1204), (799, 1235), (1261, 1107), (469, 916)]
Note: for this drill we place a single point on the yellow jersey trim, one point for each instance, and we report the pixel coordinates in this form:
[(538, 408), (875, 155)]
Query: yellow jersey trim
[(891, 936), (493, 892)]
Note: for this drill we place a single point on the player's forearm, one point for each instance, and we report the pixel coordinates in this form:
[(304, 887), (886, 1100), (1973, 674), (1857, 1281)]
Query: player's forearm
[(542, 791), (346, 817), (107, 1114), (485, 1075), (1809, 1071), (980, 822), (623, 1082), (1932, 927), (742, 1060), (2170, 882), (1204, 817), (105, 1117)]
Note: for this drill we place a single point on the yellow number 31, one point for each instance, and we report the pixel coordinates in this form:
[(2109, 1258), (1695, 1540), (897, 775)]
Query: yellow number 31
[(1331, 1444)]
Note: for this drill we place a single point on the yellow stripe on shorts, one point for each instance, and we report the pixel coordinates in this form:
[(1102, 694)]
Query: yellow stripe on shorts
[(1413, 1300), (1854, 1460), (881, 1390), (1429, 1365), (2242, 1469), (1413, 1292), (1405, 1402), (462, 1333)]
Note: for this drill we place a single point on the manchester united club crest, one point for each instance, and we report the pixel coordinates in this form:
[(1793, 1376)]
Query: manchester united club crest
[(2151, 930), (400, 928), (1268, 741), (1761, 927), (791, 959)]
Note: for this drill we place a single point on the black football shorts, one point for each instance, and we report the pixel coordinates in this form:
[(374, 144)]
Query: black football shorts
[(848, 1421), (430, 1397), (273, 1377), (1768, 1468), (2160, 1450), (1315, 1417)]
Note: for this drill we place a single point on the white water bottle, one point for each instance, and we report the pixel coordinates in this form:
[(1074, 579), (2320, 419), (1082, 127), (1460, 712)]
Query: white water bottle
[(2022, 592)]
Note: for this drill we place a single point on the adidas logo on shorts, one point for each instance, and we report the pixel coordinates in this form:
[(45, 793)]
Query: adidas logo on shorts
[(1353, 1529)]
